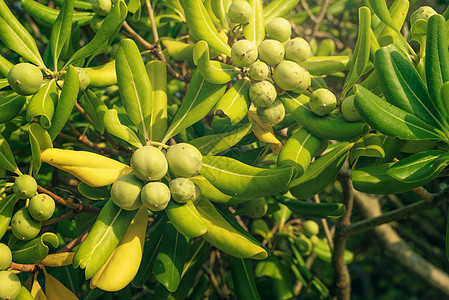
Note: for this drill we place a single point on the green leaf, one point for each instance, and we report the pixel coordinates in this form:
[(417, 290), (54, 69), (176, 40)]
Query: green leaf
[(279, 279), (5, 66), (369, 145), (157, 72), (39, 141), (94, 193), (254, 30), (212, 193), (60, 33), (94, 108), (16, 37), (170, 258), (7, 161), (216, 143), (391, 120), (243, 277), (42, 104), (311, 209), (326, 65), (10, 106), (278, 8), (238, 179), (320, 173), (200, 98), (114, 127), (66, 102), (380, 8), (445, 96), (360, 57), (135, 86), (235, 102), (332, 126), (6, 210), (220, 9), (186, 219), (35, 250)]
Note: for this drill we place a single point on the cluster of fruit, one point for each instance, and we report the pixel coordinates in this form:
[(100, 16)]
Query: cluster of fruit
[(310, 232), (146, 186), (273, 65)]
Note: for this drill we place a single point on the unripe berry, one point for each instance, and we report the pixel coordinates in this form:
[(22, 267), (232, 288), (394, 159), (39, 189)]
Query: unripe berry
[(240, 11), (9, 285), (96, 22), (288, 75), (5, 257), (125, 192), (243, 53), (271, 52), (25, 79), (83, 77), (422, 13), (297, 50), (182, 190), (25, 186), (348, 110), (101, 7), (273, 114), (41, 207), (255, 208), (279, 29), (184, 160), (322, 102), (262, 93), (155, 196), (310, 228), (23, 226), (258, 71), (149, 164)]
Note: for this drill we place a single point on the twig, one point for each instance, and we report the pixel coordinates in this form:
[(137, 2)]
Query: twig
[(320, 17), (75, 242), (327, 232), (24, 267)]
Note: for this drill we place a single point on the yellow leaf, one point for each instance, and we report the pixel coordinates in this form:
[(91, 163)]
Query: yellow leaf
[(55, 290), (264, 132), (58, 259)]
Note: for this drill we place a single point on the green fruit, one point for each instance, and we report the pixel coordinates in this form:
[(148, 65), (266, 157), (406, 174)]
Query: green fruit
[(184, 160), (288, 75), (271, 52), (155, 196), (304, 245), (348, 110), (310, 228), (240, 12), (297, 50), (305, 82), (23, 226), (243, 53), (125, 192), (10, 285), (25, 79), (41, 207), (273, 114), (255, 208), (279, 29), (422, 13), (101, 7), (5, 257), (149, 163), (262, 93), (25, 186), (182, 189), (83, 78), (96, 22), (322, 102), (258, 71)]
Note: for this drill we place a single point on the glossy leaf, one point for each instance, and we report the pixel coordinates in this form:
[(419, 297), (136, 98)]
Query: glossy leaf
[(445, 96), (312, 210), (212, 193), (278, 8), (320, 173), (157, 73), (254, 30), (369, 145), (220, 9), (33, 251), (391, 120), (200, 98), (380, 8), (238, 179), (39, 141), (243, 278), (326, 65), (170, 258), (235, 102), (7, 161), (60, 33), (387, 35), (42, 104), (93, 193), (94, 108), (279, 278), (10, 106), (263, 132), (186, 219), (66, 102), (331, 126), (6, 210), (103, 75), (178, 50), (5, 66), (114, 127)]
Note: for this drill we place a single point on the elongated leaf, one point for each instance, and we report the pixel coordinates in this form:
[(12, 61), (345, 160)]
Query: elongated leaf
[(216, 143), (6, 210), (3, 83), (220, 9), (186, 219), (7, 161), (254, 30), (60, 33), (135, 86), (93, 193), (200, 98), (16, 37), (95, 109), (103, 75), (66, 102), (369, 145), (243, 277), (238, 179), (157, 72), (42, 104), (320, 173), (278, 8), (170, 258), (311, 209), (445, 96), (380, 8), (39, 141), (235, 102), (10, 106), (213, 194), (35, 250), (391, 120), (326, 65), (360, 57), (114, 127), (5, 66), (331, 126), (279, 278), (404, 88), (105, 35)]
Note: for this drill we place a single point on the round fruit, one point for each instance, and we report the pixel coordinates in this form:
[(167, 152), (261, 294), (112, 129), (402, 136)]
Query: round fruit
[(184, 160), (258, 71), (5, 257), (273, 114), (305, 82), (25, 186), (304, 245), (96, 22), (310, 228), (41, 207), (23, 226), (155, 196), (279, 29), (25, 79), (83, 78), (297, 50), (271, 52), (240, 12), (255, 208), (182, 189), (288, 75), (322, 102), (422, 13), (101, 7), (243, 53), (198, 194), (348, 110), (149, 163), (262, 93), (125, 192), (10, 285)]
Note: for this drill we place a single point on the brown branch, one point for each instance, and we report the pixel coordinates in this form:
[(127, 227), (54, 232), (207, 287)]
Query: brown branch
[(327, 232), (24, 267), (75, 242), (320, 18)]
